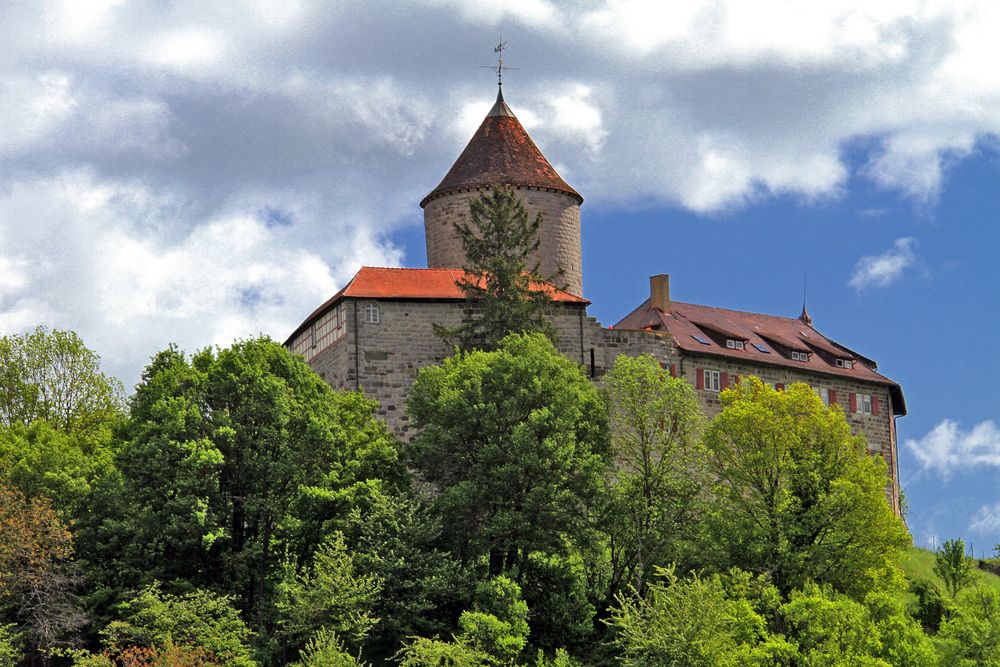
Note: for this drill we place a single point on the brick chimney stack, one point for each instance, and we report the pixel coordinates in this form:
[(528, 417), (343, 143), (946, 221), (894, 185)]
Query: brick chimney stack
[(659, 292)]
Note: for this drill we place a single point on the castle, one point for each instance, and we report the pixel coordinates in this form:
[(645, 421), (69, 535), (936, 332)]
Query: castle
[(376, 333)]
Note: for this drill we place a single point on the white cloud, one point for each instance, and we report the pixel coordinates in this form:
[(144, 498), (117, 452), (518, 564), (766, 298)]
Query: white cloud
[(133, 288), (986, 520), (883, 270), (152, 126), (947, 447)]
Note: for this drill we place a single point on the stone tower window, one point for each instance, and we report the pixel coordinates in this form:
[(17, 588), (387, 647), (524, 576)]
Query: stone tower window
[(371, 313)]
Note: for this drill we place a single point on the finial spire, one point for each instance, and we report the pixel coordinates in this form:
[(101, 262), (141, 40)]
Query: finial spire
[(805, 316), (500, 66), (498, 49)]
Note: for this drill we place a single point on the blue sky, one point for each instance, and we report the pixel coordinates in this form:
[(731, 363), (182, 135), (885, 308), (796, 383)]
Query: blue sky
[(192, 173)]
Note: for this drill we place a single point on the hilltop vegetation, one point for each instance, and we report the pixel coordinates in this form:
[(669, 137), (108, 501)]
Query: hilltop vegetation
[(236, 510)]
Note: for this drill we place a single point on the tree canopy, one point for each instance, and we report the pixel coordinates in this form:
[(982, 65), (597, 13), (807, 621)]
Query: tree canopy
[(53, 376), (798, 498)]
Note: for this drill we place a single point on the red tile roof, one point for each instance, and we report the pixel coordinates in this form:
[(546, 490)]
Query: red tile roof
[(376, 282), (714, 325), (501, 152)]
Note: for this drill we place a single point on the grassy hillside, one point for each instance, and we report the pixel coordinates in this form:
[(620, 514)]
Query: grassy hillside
[(919, 564)]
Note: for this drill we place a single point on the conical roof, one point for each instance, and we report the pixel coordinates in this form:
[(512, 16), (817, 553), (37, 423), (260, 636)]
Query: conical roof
[(501, 152)]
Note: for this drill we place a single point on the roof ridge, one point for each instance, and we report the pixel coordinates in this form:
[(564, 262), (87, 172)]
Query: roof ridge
[(745, 312)]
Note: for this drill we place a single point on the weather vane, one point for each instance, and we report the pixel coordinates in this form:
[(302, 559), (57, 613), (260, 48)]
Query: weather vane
[(499, 67)]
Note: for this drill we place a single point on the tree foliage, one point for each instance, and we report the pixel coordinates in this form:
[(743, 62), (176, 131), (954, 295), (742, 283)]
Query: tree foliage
[(53, 376), (501, 283), (660, 476), (514, 442), (330, 594), (37, 579), (198, 620), (798, 497), (952, 565), (220, 456)]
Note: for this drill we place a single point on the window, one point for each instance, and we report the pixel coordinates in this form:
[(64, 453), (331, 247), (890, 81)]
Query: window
[(700, 340), (800, 356), (865, 404), (371, 313), (734, 344), (761, 348), (845, 363), (712, 382), (824, 395)]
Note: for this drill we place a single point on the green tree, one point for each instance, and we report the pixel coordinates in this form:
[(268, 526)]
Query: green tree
[(660, 478), (10, 645), (325, 650), (514, 442), (219, 453), (954, 568), (500, 284), (695, 622), (53, 376), (492, 634), (395, 539), (41, 460), (198, 619), (798, 497), (970, 636), (330, 594), (832, 629)]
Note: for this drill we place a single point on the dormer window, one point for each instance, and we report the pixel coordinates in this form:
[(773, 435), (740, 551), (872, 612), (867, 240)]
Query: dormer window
[(800, 356), (734, 344), (845, 363)]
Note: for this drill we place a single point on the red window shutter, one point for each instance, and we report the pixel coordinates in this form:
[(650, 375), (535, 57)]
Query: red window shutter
[(723, 381), (854, 402), (673, 371), (833, 397), (780, 386), (875, 409), (699, 381)]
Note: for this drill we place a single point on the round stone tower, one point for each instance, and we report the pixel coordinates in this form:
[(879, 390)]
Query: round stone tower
[(501, 152)]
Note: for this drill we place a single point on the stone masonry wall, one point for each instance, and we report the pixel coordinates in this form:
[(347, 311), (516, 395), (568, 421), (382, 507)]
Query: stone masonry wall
[(559, 237), (383, 359)]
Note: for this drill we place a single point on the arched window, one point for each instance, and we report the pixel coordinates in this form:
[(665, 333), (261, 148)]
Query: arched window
[(371, 313)]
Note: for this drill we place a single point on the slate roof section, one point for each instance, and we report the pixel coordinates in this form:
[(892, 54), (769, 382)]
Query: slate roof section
[(389, 283), (686, 320), (501, 152)]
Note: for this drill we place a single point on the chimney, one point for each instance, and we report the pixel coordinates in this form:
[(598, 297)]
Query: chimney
[(659, 292)]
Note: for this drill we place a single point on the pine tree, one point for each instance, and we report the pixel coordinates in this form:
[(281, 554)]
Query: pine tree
[(499, 240)]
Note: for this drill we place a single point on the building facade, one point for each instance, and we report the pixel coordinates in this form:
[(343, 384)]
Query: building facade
[(377, 332)]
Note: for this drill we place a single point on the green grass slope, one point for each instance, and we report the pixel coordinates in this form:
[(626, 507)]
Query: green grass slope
[(918, 564)]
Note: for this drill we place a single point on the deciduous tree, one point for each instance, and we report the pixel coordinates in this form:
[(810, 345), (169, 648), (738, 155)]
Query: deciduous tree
[(952, 565), (660, 476), (514, 441), (798, 497), (52, 375)]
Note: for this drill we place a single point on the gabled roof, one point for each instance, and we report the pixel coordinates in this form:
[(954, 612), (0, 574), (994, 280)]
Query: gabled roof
[(378, 282), (501, 152), (713, 325)]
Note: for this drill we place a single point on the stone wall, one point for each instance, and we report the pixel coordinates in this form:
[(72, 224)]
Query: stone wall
[(559, 237)]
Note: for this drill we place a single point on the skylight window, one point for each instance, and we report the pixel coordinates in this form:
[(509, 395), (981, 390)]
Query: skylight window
[(700, 340), (761, 348)]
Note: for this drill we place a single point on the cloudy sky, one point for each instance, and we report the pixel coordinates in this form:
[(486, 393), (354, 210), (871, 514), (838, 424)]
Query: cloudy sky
[(196, 172)]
